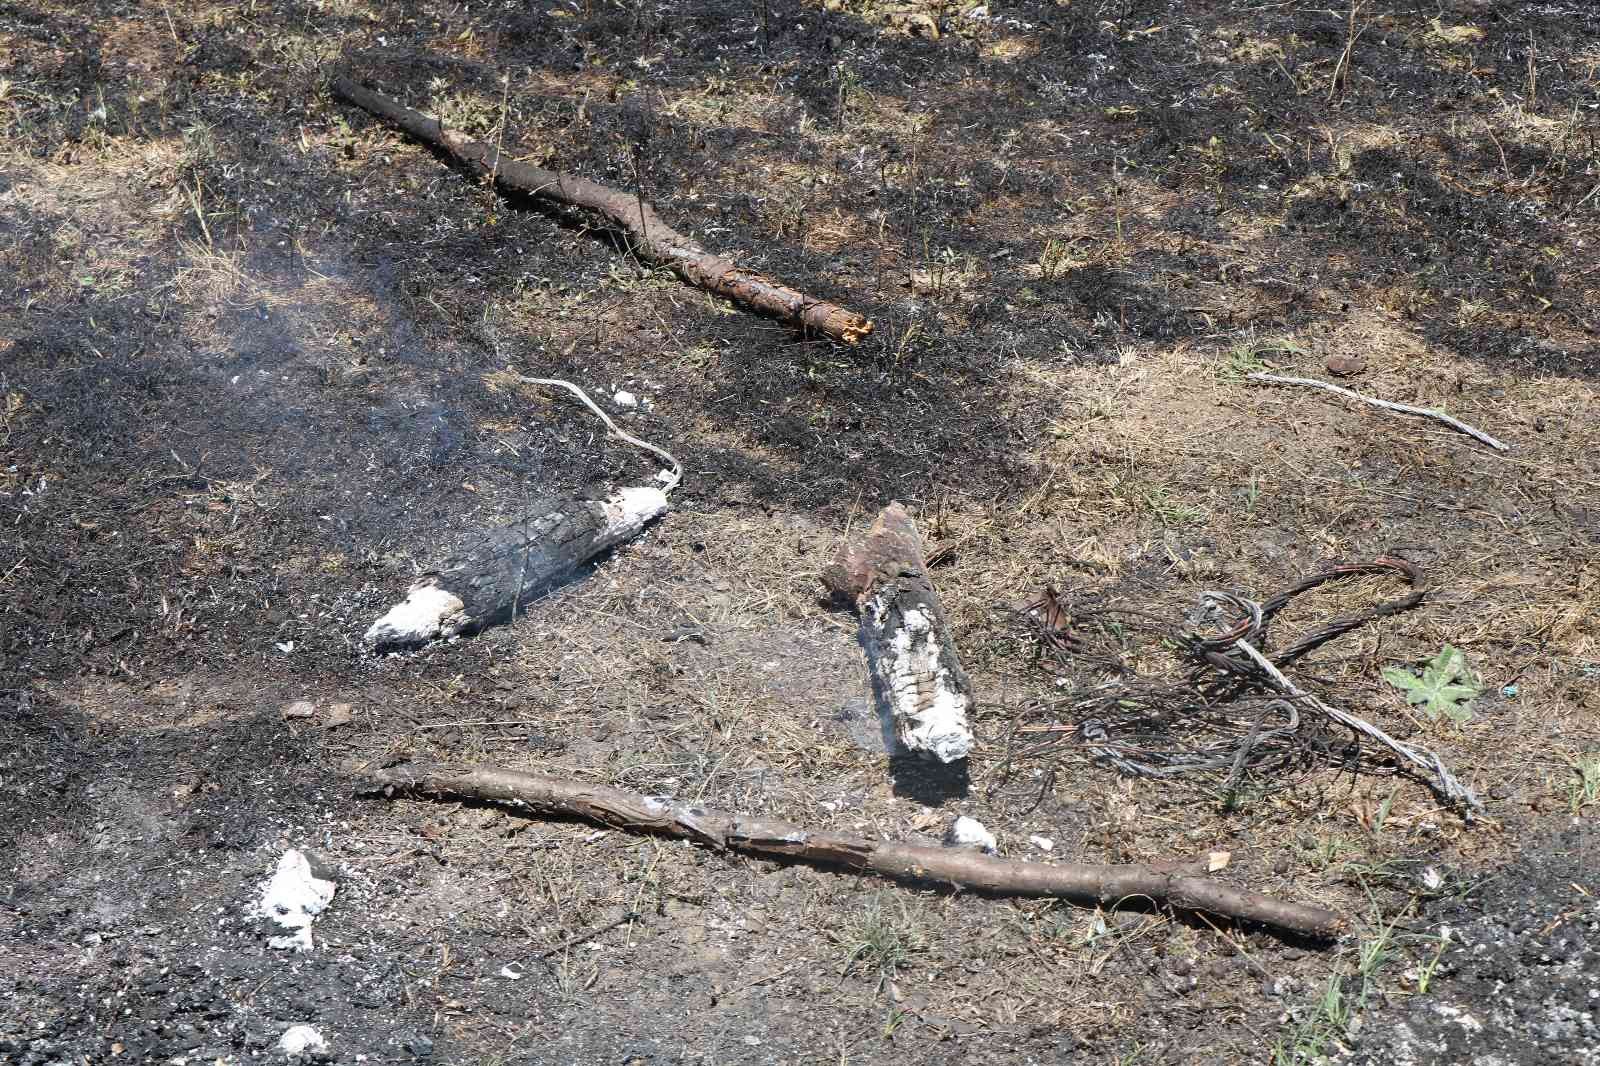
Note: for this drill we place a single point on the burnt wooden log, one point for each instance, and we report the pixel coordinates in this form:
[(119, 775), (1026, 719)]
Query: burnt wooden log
[(919, 678), (649, 236), (1107, 886), (509, 566)]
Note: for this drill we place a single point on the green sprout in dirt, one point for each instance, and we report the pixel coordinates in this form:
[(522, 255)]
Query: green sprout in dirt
[(1248, 356), (1323, 1024), (1170, 511), (882, 942), (849, 83), (1426, 971), (1055, 259), (1242, 361), (1446, 688), (1584, 788), (1250, 493)]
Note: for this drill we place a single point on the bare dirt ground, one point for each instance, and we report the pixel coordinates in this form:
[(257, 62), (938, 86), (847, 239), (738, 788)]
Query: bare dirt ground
[(250, 344)]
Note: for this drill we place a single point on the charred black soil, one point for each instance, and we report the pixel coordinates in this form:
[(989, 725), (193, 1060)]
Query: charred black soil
[(253, 355)]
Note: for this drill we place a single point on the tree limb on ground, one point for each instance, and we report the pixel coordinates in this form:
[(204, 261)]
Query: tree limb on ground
[(884, 576), (648, 235), (1107, 886)]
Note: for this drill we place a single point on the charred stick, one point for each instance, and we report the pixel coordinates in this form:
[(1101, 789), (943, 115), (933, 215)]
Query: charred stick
[(506, 568), (652, 239)]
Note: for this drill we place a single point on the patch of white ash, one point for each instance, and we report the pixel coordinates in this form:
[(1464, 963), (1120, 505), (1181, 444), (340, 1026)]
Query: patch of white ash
[(931, 723), (967, 832), (292, 897), (629, 510), (427, 613), (302, 1040)]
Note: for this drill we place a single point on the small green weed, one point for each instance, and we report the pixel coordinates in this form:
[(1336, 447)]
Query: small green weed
[(883, 941), (1172, 512), (1426, 971), (1584, 788), (1325, 1022), (1446, 688), (1055, 259), (1242, 360), (1250, 493), (1248, 357), (1346, 994), (1322, 853)]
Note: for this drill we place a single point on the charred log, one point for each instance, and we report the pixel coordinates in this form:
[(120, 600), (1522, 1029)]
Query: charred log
[(918, 673), (509, 566)]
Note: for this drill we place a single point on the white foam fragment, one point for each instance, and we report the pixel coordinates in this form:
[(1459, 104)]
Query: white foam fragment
[(427, 613), (625, 399), (967, 832), (1042, 843), (629, 510), (301, 1040), (292, 897), (933, 723)]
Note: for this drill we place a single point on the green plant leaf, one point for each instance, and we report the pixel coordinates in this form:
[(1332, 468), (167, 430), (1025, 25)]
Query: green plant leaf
[(1446, 688)]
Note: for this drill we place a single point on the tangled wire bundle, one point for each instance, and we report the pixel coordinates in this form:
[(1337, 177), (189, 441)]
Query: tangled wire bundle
[(1233, 717)]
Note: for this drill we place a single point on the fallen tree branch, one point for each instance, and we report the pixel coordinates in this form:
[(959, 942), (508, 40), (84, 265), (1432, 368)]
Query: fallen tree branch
[(1107, 886), (907, 639), (649, 235), (1388, 405)]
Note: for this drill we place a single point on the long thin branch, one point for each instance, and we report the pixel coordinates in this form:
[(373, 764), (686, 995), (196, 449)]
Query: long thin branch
[(1107, 886), (1387, 405), (652, 239)]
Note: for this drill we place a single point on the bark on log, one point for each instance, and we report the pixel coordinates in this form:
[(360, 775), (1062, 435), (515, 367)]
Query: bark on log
[(917, 672), (1107, 886), (651, 238), (511, 565)]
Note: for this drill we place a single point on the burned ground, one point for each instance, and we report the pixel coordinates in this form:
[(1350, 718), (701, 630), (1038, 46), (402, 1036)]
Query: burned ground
[(251, 380)]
